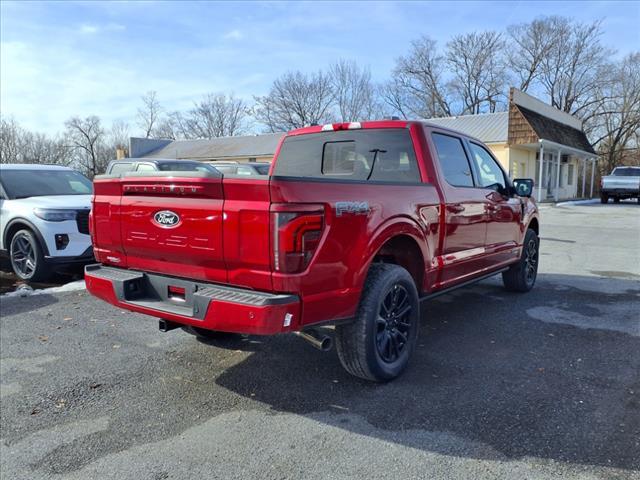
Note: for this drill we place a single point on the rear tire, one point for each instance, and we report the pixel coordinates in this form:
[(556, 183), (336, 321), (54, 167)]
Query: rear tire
[(377, 345), (27, 260), (604, 198), (521, 276)]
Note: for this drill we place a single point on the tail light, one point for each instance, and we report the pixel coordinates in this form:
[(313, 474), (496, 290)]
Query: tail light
[(296, 236)]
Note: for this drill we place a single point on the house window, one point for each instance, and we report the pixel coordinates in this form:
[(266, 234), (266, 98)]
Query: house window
[(252, 159), (570, 168)]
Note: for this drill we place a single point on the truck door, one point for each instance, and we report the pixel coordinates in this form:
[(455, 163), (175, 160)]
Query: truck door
[(503, 211), (464, 213)]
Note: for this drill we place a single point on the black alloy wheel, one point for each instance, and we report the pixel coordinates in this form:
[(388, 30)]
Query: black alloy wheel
[(393, 324)]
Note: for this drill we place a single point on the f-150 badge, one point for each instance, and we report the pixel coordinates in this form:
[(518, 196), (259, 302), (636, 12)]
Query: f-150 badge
[(354, 208)]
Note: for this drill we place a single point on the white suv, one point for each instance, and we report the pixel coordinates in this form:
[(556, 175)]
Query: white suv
[(44, 218)]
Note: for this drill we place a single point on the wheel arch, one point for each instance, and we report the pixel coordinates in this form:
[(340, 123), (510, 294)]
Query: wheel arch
[(534, 225), (401, 243), (18, 224)]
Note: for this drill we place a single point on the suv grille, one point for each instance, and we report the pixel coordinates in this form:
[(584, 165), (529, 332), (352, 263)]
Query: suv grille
[(82, 219)]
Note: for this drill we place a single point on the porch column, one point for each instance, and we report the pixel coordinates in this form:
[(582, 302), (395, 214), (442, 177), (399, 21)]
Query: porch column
[(593, 171), (584, 174), (541, 157), (556, 194)]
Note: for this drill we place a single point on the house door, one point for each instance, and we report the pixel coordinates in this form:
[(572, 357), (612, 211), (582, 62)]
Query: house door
[(550, 170)]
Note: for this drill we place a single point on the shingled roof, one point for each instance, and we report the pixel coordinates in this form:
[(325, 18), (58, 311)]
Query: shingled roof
[(548, 129)]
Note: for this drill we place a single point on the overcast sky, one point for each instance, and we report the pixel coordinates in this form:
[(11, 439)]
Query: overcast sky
[(60, 59)]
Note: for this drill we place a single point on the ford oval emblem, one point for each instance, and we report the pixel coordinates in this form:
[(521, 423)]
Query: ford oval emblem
[(166, 219)]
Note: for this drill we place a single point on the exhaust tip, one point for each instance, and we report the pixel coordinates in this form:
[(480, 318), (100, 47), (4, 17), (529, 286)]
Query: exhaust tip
[(317, 339), (326, 343)]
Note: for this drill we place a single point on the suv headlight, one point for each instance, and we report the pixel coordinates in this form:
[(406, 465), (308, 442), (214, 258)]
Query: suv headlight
[(54, 215)]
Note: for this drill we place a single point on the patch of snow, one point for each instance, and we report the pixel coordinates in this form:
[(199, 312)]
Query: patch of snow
[(578, 202), (25, 290)]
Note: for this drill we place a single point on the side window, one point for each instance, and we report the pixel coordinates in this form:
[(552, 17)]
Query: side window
[(453, 160), (246, 171), (226, 169), (145, 167), (117, 168), (489, 172)]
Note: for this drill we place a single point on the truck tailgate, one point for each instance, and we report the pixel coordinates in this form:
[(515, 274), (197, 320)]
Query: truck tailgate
[(191, 225), (613, 182), (169, 224)]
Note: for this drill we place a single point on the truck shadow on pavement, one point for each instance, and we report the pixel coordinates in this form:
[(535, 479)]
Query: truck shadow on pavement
[(553, 374)]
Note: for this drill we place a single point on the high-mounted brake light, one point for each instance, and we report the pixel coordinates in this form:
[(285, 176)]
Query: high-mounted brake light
[(330, 127), (296, 236)]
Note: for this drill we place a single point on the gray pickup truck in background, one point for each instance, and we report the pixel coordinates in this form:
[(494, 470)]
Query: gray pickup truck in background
[(624, 182)]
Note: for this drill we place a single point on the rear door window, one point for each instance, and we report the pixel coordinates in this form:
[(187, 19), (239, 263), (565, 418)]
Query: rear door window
[(226, 169), (385, 155), (246, 171), (453, 160)]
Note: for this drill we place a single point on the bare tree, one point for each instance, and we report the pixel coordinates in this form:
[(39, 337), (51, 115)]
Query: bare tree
[(171, 126), (295, 100), (355, 94), (479, 76), (85, 137), (215, 115), (530, 43), (570, 71), (615, 124), (11, 141), (119, 134), (418, 87), (149, 114), (18, 145)]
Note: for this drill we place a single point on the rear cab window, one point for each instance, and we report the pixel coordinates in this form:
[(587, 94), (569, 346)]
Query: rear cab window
[(382, 155), (145, 167), (626, 172), (121, 167)]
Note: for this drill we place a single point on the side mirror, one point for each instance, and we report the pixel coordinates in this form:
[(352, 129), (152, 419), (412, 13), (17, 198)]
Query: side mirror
[(523, 187)]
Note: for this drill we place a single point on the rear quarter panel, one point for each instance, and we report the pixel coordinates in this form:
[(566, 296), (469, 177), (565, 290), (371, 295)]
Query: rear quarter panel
[(331, 285)]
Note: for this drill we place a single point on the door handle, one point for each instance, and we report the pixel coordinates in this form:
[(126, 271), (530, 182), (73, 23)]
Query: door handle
[(455, 208)]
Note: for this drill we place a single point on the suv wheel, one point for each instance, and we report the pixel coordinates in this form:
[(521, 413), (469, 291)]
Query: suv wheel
[(616, 199), (521, 277), (378, 343), (27, 260), (604, 198)]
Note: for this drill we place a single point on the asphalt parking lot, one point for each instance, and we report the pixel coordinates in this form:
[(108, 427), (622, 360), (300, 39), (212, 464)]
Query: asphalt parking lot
[(538, 386)]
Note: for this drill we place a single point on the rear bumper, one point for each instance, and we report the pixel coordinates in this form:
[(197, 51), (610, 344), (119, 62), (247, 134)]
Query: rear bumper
[(204, 305), (86, 257)]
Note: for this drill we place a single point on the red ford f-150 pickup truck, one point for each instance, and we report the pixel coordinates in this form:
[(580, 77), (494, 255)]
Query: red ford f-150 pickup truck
[(355, 226)]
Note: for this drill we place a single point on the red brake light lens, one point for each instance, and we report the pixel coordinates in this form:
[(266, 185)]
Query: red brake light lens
[(296, 236)]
